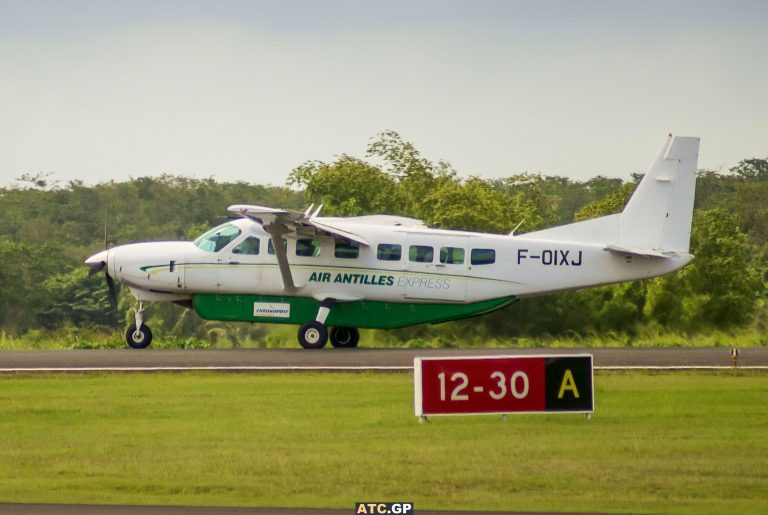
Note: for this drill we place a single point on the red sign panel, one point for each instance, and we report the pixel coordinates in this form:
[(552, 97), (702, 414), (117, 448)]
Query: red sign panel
[(503, 384)]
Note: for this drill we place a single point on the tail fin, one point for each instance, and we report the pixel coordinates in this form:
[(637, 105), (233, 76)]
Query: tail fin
[(657, 218), (658, 215)]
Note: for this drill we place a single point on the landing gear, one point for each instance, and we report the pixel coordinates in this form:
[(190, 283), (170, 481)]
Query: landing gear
[(138, 335), (313, 335), (345, 337), (138, 338)]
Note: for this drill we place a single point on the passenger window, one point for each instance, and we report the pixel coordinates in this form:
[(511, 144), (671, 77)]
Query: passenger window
[(483, 256), (389, 252), (452, 255), (249, 246), (271, 246), (346, 250), (421, 253), (308, 248)]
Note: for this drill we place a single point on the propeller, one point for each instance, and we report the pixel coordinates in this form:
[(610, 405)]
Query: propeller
[(98, 262), (112, 291)]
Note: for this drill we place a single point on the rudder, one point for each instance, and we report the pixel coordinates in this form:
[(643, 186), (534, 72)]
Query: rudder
[(658, 216)]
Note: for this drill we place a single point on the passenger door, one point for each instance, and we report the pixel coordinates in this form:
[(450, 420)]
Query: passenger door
[(435, 268)]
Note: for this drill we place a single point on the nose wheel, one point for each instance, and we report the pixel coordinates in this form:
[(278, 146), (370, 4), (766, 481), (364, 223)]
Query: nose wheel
[(138, 335), (138, 338)]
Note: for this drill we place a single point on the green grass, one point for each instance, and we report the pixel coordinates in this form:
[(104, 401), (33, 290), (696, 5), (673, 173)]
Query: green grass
[(440, 336), (659, 442)]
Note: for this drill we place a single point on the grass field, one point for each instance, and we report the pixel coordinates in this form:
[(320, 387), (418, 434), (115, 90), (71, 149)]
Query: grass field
[(658, 442), (441, 336)]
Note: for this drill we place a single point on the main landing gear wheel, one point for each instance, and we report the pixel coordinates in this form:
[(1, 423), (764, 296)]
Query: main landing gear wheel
[(345, 337), (313, 335), (138, 339)]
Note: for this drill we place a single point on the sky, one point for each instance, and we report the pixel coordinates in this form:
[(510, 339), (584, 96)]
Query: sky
[(248, 90)]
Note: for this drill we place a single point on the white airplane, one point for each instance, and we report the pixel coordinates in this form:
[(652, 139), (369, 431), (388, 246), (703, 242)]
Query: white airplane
[(381, 271)]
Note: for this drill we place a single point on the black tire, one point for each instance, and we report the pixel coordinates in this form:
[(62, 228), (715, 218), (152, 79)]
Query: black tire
[(313, 335), (140, 339), (345, 337)]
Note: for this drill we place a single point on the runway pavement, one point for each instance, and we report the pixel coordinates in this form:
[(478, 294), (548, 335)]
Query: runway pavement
[(352, 359)]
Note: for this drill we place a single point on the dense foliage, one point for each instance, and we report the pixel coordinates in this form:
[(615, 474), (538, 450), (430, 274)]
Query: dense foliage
[(46, 230)]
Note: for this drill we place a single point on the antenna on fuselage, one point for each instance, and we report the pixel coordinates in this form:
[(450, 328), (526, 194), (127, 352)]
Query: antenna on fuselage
[(517, 227)]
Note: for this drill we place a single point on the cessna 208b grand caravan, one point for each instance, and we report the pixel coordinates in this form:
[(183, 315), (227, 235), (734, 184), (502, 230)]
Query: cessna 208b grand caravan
[(380, 271)]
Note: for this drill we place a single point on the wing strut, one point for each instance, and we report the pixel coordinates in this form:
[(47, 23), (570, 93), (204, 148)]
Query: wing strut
[(279, 222), (277, 230)]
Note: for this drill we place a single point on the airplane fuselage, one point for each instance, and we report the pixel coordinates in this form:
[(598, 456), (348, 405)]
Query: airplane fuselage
[(278, 266), (404, 271)]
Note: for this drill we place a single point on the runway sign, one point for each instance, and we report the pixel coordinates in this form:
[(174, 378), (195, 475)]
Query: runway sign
[(503, 385)]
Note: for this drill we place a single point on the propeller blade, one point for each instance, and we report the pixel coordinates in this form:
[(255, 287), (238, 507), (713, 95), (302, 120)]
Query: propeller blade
[(112, 292), (106, 212), (98, 267)]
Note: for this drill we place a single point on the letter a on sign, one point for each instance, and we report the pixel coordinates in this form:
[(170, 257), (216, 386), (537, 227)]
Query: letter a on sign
[(568, 384)]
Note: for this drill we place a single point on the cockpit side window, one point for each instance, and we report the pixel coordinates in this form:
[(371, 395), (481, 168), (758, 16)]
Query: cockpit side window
[(249, 246), (217, 238)]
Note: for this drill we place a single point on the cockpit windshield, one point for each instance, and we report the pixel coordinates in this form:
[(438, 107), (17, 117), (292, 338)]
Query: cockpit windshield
[(217, 238)]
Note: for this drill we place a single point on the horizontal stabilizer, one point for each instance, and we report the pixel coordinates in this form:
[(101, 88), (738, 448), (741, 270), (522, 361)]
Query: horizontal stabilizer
[(634, 251)]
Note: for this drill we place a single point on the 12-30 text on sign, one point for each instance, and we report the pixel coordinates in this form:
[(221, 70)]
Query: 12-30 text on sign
[(503, 384)]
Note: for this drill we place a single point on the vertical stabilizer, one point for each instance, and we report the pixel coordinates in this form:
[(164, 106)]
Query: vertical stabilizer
[(659, 214)]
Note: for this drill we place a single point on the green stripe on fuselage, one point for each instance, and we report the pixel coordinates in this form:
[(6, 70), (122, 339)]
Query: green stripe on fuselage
[(272, 267), (364, 314)]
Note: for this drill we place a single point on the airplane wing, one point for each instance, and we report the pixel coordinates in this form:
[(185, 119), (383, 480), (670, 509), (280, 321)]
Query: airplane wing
[(297, 223), (280, 223)]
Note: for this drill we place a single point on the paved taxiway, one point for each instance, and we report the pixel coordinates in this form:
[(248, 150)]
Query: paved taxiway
[(351, 359)]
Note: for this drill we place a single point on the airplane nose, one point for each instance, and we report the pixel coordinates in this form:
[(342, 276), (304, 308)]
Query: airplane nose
[(98, 261)]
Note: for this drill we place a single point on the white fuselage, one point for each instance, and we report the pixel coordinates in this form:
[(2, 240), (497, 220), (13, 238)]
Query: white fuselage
[(463, 267)]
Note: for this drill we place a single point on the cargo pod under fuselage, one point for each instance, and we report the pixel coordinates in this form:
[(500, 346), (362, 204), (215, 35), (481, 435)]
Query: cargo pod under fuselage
[(368, 314)]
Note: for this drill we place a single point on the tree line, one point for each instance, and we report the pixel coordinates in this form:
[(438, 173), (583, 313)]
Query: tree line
[(47, 229)]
